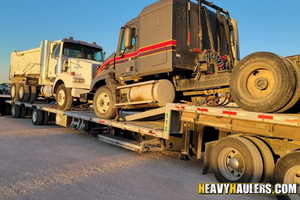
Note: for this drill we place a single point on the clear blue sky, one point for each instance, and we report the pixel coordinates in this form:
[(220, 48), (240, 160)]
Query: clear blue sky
[(266, 25)]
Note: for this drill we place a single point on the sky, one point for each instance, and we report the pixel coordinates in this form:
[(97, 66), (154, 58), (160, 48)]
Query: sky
[(264, 25)]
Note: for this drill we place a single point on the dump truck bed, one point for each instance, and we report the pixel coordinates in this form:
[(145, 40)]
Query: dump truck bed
[(26, 62)]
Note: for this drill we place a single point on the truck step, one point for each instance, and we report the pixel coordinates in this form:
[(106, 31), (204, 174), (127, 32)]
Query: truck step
[(142, 147)]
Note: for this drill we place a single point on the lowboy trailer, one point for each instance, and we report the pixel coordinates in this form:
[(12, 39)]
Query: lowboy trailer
[(239, 146)]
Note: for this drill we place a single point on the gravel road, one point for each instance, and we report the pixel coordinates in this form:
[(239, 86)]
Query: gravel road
[(50, 162)]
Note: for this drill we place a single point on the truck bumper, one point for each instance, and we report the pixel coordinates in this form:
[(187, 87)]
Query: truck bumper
[(77, 92)]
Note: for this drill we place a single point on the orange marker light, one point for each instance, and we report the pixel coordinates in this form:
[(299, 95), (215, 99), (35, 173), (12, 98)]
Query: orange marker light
[(73, 73)]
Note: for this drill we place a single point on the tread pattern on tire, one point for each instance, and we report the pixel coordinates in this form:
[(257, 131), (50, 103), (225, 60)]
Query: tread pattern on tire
[(23, 112), (32, 94), (294, 104), (46, 118), (267, 156)]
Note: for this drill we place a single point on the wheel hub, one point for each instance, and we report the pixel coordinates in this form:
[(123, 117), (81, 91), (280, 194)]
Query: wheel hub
[(261, 83), (236, 163), (61, 97), (13, 91), (231, 164), (21, 92), (13, 110), (103, 102), (34, 116), (292, 176)]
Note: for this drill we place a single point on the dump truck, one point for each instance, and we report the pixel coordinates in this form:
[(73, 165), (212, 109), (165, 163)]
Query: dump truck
[(60, 69), (183, 51)]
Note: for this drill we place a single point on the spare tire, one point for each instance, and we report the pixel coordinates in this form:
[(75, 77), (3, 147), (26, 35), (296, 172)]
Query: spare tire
[(294, 104), (262, 82)]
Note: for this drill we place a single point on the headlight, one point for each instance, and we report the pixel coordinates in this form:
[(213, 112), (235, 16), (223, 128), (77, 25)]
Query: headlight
[(78, 80)]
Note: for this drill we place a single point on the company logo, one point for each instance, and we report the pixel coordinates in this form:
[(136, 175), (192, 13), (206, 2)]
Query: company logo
[(247, 189)]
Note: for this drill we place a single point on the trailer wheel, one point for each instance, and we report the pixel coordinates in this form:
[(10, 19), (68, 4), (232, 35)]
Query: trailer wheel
[(16, 111), (37, 117), (262, 82), (64, 98), (267, 156), (237, 160), (46, 118), (23, 112), (104, 102), (287, 170), (15, 91)]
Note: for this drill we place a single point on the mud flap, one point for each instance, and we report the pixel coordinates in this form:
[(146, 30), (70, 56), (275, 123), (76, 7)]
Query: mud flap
[(207, 157)]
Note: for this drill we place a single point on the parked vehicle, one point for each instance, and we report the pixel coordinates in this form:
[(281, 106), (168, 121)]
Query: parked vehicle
[(62, 69), (3, 87), (177, 50)]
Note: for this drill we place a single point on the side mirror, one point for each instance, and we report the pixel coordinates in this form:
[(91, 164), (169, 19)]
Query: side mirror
[(128, 38)]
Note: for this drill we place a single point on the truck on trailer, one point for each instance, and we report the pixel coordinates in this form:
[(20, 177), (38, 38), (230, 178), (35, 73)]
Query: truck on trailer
[(178, 50), (63, 69)]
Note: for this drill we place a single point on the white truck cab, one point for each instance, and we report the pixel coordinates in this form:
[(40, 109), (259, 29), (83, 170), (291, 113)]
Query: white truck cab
[(62, 69)]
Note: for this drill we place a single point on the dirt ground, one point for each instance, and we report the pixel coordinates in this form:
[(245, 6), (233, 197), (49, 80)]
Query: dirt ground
[(50, 162)]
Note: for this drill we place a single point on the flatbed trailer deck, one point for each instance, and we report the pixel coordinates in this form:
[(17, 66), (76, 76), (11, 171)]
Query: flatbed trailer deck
[(192, 130)]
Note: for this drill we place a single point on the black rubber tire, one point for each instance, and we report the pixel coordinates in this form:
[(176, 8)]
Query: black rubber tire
[(267, 156), (16, 111), (253, 165), (294, 104), (32, 94), (26, 93), (37, 117), (282, 166), (46, 118), (111, 111), (15, 92), (67, 100), (23, 112), (284, 83), (8, 109)]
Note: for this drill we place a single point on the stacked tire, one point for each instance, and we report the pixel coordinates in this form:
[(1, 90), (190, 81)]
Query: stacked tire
[(266, 82)]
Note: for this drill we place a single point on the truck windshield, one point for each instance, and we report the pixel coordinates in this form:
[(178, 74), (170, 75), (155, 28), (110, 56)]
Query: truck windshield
[(72, 50)]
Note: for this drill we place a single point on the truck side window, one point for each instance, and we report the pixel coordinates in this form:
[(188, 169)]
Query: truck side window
[(133, 37), (122, 44), (133, 40), (56, 50)]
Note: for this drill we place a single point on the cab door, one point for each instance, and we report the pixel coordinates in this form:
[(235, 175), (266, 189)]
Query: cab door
[(53, 60), (126, 59)]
